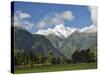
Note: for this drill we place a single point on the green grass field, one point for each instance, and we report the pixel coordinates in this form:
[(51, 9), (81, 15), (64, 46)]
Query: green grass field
[(51, 68)]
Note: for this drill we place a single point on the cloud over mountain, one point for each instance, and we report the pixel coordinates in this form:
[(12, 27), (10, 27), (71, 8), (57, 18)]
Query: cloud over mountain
[(55, 19), (20, 20), (93, 11)]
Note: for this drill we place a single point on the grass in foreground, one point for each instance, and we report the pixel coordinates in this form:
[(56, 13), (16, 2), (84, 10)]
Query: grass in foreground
[(51, 68)]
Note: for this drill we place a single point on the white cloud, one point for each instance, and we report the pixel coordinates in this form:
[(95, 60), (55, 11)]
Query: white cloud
[(60, 18), (22, 15), (93, 11), (41, 24), (19, 20), (27, 25), (55, 19), (67, 15)]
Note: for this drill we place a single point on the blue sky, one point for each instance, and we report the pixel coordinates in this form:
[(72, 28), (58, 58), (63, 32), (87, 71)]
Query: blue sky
[(36, 16)]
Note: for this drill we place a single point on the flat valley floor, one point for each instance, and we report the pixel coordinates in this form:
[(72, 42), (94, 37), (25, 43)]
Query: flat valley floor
[(58, 67)]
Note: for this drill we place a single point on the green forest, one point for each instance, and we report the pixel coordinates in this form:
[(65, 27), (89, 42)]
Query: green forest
[(29, 59)]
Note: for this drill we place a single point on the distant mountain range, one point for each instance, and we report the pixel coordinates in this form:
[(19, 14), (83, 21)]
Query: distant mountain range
[(24, 40), (68, 39), (63, 32), (60, 40)]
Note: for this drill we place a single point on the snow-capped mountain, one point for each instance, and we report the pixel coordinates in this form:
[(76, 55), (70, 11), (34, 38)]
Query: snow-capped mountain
[(58, 30), (68, 39), (90, 29), (63, 32)]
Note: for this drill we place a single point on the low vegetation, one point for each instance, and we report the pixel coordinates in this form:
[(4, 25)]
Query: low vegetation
[(56, 67), (29, 59)]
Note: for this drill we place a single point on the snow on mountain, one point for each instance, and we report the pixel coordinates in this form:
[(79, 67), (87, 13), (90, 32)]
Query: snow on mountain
[(45, 32), (90, 29), (63, 32), (67, 39), (59, 30)]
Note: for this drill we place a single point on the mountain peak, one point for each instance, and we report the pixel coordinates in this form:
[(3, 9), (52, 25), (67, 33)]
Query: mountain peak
[(63, 32), (59, 27)]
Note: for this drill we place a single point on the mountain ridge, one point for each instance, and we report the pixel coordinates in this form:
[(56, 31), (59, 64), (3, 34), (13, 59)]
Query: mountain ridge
[(24, 40), (54, 39), (75, 38), (63, 32)]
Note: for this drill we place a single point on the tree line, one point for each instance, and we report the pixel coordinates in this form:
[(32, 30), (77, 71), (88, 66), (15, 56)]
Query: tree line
[(24, 58), (83, 56)]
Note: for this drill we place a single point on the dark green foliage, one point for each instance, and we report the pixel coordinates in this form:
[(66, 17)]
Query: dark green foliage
[(50, 58), (36, 50), (41, 58), (85, 56), (23, 58)]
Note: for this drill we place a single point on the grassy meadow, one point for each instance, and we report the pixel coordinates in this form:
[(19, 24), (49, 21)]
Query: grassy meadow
[(59, 67)]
